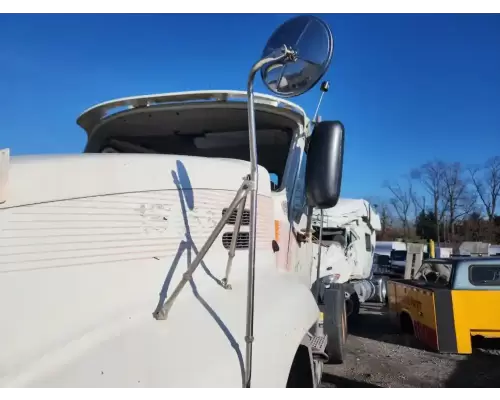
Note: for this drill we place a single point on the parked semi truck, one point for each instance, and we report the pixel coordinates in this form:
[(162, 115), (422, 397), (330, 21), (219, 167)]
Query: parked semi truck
[(346, 235), (161, 256)]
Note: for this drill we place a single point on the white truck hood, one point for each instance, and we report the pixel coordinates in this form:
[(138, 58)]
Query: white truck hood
[(61, 177)]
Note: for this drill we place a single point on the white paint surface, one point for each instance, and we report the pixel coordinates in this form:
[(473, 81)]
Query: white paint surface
[(86, 243)]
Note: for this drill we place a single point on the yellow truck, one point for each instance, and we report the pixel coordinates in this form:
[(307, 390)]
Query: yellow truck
[(449, 302)]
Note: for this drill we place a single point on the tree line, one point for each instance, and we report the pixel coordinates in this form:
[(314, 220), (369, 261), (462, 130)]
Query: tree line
[(446, 202)]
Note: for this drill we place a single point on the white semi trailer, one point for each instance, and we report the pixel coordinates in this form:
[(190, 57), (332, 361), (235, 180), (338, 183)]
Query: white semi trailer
[(162, 257), (346, 235)]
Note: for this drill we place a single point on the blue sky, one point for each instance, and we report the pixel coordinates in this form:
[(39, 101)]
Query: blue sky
[(427, 82)]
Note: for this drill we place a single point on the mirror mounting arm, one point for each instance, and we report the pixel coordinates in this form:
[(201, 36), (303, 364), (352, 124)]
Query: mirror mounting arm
[(254, 176), (286, 54)]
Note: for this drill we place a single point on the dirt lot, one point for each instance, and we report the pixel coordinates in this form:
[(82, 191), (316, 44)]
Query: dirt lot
[(378, 356)]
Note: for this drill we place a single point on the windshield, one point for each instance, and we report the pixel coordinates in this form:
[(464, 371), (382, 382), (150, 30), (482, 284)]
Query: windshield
[(382, 260), (398, 255)]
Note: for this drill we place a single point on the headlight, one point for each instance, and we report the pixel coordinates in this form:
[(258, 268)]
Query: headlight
[(330, 279)]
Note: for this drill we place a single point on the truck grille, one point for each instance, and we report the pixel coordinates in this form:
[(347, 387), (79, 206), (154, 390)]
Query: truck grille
[(245, 219), (242, 242)]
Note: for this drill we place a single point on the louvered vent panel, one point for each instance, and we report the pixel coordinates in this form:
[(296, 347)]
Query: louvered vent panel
[(241, 243), (245, 220)]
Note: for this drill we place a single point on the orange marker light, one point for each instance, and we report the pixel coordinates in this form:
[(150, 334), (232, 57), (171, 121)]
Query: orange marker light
[(277, 230)]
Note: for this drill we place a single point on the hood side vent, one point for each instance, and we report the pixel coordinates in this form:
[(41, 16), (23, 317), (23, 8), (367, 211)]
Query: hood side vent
[(242, 242), (245, 219)]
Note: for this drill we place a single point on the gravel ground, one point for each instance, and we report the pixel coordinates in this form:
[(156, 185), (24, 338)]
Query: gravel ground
[(378, 356)]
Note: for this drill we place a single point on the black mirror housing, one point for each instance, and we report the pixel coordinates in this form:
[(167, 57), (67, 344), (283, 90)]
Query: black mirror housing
[(325, 156)]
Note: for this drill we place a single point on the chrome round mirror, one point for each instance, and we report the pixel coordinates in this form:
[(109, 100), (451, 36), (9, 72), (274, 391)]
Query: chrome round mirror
[(311, 40)]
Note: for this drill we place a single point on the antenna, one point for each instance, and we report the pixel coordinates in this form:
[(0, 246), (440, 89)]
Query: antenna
[(324, 88)]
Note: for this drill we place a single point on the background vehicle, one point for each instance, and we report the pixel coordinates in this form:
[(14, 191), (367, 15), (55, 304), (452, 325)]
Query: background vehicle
[(382, 257), (348, 238), (396, 251), (97, 249), (450, 302), (494, 250)]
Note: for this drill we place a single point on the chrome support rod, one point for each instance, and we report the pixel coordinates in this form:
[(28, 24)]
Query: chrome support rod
[(240, 195), (319, 264), (310, 211), (317, 107), (254, 177)]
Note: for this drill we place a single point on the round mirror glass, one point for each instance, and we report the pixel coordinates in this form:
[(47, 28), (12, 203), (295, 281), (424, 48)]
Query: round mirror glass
[(312, 41)]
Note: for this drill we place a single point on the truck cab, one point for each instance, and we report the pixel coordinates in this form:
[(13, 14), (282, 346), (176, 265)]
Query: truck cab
[(101, 238), (162, 256)]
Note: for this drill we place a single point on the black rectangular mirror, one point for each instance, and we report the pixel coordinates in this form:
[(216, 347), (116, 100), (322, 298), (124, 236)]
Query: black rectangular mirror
[(324, 164)]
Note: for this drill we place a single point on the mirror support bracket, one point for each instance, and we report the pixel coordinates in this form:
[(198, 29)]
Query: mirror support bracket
[(254, 177)]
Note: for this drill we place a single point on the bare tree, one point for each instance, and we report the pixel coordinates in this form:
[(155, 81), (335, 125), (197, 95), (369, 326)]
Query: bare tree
[(419, 202), (383, 210), (486, 181), (456, 194), (401, 201), (385, 218), (431, 175)]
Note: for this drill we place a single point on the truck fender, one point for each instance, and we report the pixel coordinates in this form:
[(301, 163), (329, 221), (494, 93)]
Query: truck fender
[(335, 322), (283, 332)]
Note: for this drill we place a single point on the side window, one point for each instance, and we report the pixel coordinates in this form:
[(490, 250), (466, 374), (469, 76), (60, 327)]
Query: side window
[(275, 182), (484, 275), (368, 242), (299, 194)]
